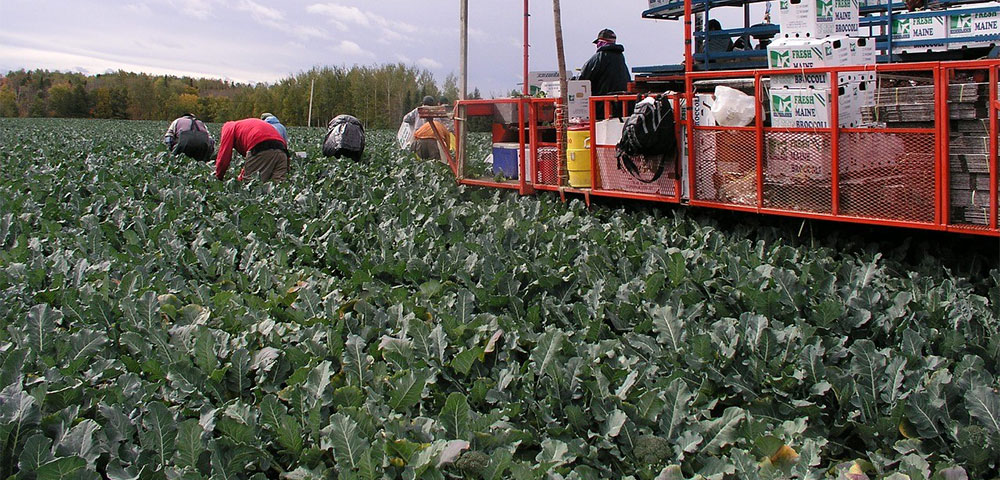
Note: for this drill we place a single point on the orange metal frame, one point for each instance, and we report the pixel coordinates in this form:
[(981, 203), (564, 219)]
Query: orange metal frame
[(941, 72)]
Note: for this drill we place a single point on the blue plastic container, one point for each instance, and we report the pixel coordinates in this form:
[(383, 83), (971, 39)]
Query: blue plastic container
[(505, 159)]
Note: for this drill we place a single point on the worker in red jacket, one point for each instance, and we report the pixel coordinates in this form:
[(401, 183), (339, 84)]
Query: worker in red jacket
[(260, 144)]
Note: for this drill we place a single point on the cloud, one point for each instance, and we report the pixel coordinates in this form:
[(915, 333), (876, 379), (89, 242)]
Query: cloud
[(352, 49), (199, 9), (429, 63), (261, 14), (343, 17), (139, 9)]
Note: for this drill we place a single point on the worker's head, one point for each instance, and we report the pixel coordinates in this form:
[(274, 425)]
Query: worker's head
[(443, 101), (264, 115), (714, 25), (606, 36), (428, 100)]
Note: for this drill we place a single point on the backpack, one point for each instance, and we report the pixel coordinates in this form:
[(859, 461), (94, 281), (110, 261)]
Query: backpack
[(345, 137), (648, 133), (194, 143)]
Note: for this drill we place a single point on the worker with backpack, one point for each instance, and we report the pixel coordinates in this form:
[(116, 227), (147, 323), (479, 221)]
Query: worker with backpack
[(187, 135), (345, 137)]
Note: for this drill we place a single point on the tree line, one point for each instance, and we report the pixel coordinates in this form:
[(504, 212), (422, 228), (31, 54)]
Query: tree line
[(378, 95)]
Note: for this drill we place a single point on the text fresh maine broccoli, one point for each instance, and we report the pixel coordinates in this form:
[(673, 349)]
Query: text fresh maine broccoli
[(652, 450), (472, 461)]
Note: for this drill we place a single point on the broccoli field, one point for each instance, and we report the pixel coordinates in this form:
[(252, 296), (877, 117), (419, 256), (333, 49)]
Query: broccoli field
[(375, 320)]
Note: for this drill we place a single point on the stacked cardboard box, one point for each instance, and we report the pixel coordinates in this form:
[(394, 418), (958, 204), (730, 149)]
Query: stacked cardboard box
[(974, 23), (818, 33), (969, 147)]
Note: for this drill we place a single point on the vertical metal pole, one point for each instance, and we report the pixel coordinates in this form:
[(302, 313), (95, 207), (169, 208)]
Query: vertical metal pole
[(759, 135), (688, 65), (463, 86), (835, 142), (312, 85), (944, 165), (527, 89), (992, 161)]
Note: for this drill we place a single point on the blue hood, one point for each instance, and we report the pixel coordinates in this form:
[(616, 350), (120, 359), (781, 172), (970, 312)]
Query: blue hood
[(272, 120)]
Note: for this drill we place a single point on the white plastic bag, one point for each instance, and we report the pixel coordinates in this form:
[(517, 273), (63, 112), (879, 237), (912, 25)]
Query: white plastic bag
[(404, 137), (732, 107)]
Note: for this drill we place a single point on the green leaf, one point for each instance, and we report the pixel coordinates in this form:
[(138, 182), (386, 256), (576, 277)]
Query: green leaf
[(669, 328), (190, 443), (867, 365), (455, 416), (342, 434), (984, 405), (723, 430), (408, 390), (159, 433), (546, 352), (677, 398), (271, 411), (36, 452), (464, 360), (41, 328), (80, 442), (357, 363), (64, 468)]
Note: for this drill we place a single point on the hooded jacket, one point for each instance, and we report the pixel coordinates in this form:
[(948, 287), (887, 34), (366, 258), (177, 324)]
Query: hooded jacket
[(607, 70), (278, 126)]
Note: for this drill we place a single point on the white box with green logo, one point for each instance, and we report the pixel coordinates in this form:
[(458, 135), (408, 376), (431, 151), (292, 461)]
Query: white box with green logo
[(805, 53), (845, 17), (965, 25), (907, 28), (801, 80), (861, 50), (810, 107), (806, 18)]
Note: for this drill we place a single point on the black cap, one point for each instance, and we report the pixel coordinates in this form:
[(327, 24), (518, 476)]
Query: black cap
[(428, 100), (607, 35)]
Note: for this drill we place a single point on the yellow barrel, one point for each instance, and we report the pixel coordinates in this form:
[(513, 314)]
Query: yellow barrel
[(578, 165), (578, 138), (578, 159), (579, 178)]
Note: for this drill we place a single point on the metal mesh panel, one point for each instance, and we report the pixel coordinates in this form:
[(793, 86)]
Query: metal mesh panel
[(613, 178), (548, 159), (797, 171), (725, 166), (887, 175)]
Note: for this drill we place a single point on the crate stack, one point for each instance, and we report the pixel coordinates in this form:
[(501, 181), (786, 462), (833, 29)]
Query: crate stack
[(969, 139)]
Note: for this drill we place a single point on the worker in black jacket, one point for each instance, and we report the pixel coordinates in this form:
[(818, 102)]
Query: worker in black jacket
[(607, 70)]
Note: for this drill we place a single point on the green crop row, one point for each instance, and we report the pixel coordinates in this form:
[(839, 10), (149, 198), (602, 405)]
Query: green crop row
[(375, 320)]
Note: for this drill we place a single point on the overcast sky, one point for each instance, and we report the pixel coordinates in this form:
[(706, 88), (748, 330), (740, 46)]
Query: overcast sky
[(258, 41)]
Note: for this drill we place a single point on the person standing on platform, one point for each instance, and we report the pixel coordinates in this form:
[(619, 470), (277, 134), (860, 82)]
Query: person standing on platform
[(607, 71)]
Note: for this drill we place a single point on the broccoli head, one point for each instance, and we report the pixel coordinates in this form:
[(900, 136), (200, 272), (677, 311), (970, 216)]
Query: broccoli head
[(472, 461), (650, 450)]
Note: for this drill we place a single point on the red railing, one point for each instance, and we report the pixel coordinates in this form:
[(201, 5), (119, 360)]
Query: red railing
[(882, 176)]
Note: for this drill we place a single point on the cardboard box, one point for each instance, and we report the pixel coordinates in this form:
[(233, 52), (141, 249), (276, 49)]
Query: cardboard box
[(578, 96), (609, 132), (845, 17), (805, 53), (810, 107), (702, 110), (806, 18), (905, 28), (967, 25), (536, 79), (861, 50), (798, 80), (796, 158)]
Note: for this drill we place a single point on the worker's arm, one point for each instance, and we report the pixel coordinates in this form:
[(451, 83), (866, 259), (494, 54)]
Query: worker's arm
[(590, 68), (171, 136), (225, 156)]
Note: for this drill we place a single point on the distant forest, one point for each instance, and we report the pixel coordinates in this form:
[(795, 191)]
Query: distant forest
[(378, 95)]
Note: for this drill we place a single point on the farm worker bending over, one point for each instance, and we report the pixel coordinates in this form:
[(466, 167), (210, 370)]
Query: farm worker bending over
[(189, 136), (606, 69), (263, 147), (270, 118), (345, 137), (425, 143)]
